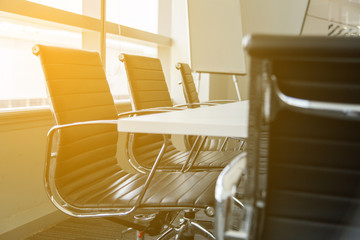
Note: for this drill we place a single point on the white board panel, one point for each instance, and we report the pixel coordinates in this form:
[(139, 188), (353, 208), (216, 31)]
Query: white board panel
[(215, 35)]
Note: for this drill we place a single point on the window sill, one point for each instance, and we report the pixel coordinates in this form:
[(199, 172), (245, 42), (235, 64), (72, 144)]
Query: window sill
[(23, 118)]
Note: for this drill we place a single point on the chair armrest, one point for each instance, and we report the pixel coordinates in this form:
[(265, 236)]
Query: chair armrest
[(195, 104), (221, 101), (149, 111), (225, 190), (207, 103), (331, 109), (50, 165)]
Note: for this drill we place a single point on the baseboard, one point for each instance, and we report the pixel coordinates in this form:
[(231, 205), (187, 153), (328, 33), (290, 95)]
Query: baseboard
[(35, 226)]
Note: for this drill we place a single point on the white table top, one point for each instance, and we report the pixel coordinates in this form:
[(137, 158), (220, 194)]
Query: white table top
[(221, 120)]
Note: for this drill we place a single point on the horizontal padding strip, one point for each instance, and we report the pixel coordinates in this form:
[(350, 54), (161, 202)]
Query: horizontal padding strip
[(145, 96), (149, 85), (146, 74), (326, 181), (313, 207), (150, 147), (194, 98), (188, 80), (315, 152), (142, 62), (147, 159), (191, 89), (84, 159), (116, 189), (147, 147), (298, 125), (63, 71), (333, 92), (317, 71), (285, 229), (107, 112), (211, 143), (65, 176), (60, 87), (182, 189), (320, 85), (193, 92), (173, 157), (185, 68), (78, 133), (50, 54), (89, 144), (81, 101), (83, 178), (144, 138), (153, 104), (215, 158)]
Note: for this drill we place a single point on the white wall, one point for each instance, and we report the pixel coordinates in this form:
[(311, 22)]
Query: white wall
[(22, 157), (270, 17), (273, 16), (259, 16)]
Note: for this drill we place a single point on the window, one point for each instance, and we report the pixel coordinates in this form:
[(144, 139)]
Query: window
[(74, 6), (129, 13), (21, 77)]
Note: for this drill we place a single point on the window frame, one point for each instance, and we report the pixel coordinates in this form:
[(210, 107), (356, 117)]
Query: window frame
[(35, 12)]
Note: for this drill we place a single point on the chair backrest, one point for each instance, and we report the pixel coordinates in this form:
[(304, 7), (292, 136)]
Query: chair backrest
[(148, 89), (79, 92), (147, 85), (304, 140), (189, 88)]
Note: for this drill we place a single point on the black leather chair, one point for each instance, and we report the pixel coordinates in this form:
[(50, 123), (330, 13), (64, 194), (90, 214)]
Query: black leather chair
[(84, 174), (190, 93), (303, 168), (148, 90), (192, 100)]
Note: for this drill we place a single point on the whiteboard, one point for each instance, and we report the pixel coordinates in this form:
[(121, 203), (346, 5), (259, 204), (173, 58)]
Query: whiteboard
[(215, 36)]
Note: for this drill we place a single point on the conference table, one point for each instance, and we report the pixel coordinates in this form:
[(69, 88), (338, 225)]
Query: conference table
[(230, 120)]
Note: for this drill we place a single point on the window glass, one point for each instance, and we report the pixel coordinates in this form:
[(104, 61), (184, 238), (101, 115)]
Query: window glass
[(21, 77), (140, 14), (74, 6), (115, 71)]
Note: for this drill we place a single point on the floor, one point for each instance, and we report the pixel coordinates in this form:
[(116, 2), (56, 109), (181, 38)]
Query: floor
[(92, 229)]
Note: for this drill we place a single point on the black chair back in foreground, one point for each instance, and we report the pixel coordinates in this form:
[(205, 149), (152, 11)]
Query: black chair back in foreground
[(84, 177), (303, 168)]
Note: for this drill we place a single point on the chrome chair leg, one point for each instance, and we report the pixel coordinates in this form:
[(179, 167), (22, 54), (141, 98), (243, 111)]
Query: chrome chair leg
[(187, 229), (201, 230), (168, 234)]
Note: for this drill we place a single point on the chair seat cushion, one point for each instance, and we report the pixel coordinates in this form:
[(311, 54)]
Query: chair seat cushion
[(112, 187), (147, 147)]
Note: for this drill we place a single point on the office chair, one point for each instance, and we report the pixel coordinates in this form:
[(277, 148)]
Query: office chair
[(189, 89), (84, 176), (148, 90), (192, 99), (303, 169)]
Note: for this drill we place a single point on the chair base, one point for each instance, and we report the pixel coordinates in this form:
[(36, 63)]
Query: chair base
[(188, 229)]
